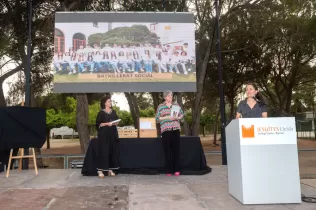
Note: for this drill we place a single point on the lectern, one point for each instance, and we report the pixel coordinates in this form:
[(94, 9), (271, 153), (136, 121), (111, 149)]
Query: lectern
[(262, 160)]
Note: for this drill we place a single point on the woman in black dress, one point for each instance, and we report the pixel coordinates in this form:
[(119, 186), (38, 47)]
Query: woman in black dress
[(108, 142)]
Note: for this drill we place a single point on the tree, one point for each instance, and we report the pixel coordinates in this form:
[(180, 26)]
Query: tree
[(134, 109), (82, 119), (305, 100), (15, 23), (206, 121), (148, 112), (54, 119), (283, 58), (125, 116), (144, 100), (136, 34)]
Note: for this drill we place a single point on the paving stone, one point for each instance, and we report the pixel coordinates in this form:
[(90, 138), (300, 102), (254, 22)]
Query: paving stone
[(29, 198), (92, 198), (158, 197)]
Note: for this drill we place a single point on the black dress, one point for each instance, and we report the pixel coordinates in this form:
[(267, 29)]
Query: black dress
[(107, 153)]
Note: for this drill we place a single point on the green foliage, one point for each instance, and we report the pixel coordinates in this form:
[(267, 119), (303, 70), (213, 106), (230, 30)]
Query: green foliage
[(67, 115), (207, 120), (137, 34), (148, 112), (126, 118), (144, 100), (71, 114), (62, 117), (95, 39), (93, 112), (54, 119)]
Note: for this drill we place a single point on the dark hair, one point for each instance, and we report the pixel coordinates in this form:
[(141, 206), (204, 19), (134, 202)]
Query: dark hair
[(258, 96), (103, 101)]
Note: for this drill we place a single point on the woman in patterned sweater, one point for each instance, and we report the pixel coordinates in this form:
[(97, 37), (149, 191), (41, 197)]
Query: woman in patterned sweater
[(170, 129)]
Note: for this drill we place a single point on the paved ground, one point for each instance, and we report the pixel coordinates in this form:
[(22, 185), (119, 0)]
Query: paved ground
[(60, 189)]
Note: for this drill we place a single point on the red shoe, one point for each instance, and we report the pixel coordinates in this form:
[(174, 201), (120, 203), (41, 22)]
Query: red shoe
[(169, 174), (177, 173)]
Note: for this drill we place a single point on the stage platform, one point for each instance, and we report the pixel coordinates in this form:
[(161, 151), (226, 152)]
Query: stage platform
[(68, 189)]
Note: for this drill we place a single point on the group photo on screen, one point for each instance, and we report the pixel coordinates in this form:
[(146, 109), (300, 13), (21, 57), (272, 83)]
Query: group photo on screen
[(116, 58), (127, 48)]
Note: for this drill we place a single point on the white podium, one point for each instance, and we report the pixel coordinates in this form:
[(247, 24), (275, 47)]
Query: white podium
[(262, 160)]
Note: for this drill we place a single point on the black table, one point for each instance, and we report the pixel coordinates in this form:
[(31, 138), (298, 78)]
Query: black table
[(146, 156)]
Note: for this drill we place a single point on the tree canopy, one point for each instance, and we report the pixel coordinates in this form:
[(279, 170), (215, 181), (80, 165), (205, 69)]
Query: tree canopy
[(136, 34)]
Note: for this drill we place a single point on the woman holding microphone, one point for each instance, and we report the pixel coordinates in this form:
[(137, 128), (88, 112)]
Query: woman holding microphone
[(253, 106)]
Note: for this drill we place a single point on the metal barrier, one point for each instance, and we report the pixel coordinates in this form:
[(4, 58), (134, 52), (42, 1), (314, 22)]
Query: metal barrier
[(65, 156)]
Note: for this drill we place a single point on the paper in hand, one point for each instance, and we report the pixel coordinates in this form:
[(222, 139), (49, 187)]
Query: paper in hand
[(175, 111), (115, 121)]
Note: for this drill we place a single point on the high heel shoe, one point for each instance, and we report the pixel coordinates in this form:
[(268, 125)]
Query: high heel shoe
[(111, 173), (100, 174)]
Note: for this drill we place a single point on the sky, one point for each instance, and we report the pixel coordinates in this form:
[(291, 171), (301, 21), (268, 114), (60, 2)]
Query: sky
[(121, 101), (118, 98)]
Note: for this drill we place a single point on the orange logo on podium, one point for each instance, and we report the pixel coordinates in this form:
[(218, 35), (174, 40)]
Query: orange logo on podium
[(248, 131)]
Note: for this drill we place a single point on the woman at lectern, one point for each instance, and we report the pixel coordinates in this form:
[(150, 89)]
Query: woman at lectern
[(169, 115), (107, 142), (253, 106)]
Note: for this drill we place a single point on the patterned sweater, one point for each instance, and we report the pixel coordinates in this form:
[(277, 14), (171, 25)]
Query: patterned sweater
[(168, 125)]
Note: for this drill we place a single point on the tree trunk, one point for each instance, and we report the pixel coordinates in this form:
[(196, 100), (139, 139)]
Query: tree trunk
[(215, 128), (288, 100), (2, 99), (137, 113), (82, 119), (185, 123), (2, 78), (131, 104), (196, 118), (134, 100), (38, 151), (232, 107), (314, 113), (156, 102), (196, 111), (47, 139), (203, 130), (155, 97)]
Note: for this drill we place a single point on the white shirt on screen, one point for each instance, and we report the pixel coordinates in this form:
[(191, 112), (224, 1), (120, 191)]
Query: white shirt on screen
[(97, 57), (67, 58)]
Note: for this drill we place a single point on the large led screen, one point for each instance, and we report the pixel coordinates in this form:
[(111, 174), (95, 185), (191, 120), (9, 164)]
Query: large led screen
[(124, 52)]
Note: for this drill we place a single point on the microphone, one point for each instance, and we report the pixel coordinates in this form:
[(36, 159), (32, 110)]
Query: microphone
[(255, 98), (281, 112), (259, 101)]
